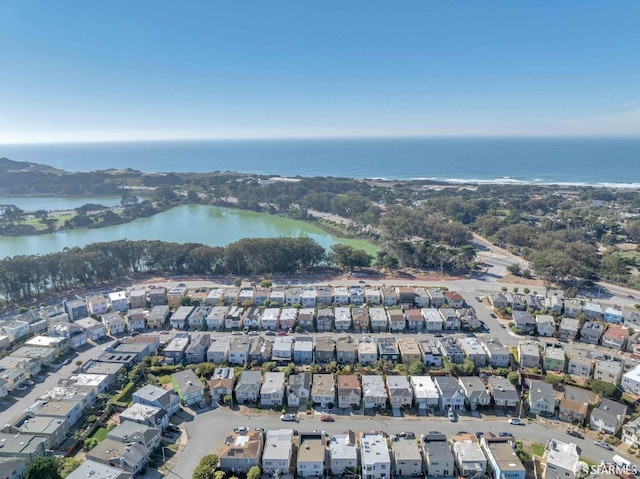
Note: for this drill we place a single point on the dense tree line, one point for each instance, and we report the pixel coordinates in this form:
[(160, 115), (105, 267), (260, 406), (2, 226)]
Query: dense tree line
[(25, 277)]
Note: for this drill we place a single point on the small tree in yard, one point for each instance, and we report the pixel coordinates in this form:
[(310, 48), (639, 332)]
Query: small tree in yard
[(206, 468), (254, 473), (43, 468)]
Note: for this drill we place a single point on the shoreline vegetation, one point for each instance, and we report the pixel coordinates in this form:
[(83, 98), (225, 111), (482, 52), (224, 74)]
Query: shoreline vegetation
[(566, 235)]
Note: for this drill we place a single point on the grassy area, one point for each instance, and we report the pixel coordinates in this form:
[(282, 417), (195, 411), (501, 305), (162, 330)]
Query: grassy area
[(100, 434), (166, 379), (537, 449)]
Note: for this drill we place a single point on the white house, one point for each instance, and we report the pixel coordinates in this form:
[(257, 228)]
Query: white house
[(562, 460), (278, 452), (425, 392), (343, 452), (374, 456), (272, 391), (118, 301), (631, 380)]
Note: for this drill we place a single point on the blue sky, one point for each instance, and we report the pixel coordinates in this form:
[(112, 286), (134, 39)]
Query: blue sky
[(122, 70)]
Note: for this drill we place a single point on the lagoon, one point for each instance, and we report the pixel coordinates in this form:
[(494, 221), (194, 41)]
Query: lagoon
[(211, 225)]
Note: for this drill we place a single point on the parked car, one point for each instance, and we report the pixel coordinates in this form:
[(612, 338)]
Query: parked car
[(574, 433), (269, 333), (288, 417), (29, 382), (604, 445), (20, 387), (282, 333), (241, 429), (327, 418), (516, 421), (503, 326), (505, 434), (452, 416)]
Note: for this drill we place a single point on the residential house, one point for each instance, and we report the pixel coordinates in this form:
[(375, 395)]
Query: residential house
[(157, 296), (562, 460), (498, 301), (450, 348), (524, 321), (134, 320), (455, 300), (502, 459), (303, 350), (215, 319), (356, 296), (54, 429), (541, 398), (545, 325), (97, 470), (592, 310), (325, 350), (13, 378), (231, 296), (282, 350), (252, 316), (533, 302), (431, 355), (309, 298), (340, 295), (31, 366), (400, 392), (438, 458), (312, 455), (360, 317), (306, 319), (221, 384), (397, 320), (324, 320), (98, 304), (343, 319), (405, 295), (323, 390), (198, 317), (473, 350), (235, 318), (425, 393), (436, 297), (196, 352), (609, 371), (272, 391), (421, 298), (45, 355), (138, 298), (299, 390), (15, 330), (143, 414), (615, 337), (110, 370), (498, 355), (568, 330), (346, 350), (528, 354), (261, 350), (343, 453), (450, 319), (516, 301), (554, 359), (151, 395), (214, 297), (76, 309), (572, 308), (574, 404), (367, 352), (409, 350), (132, 457), (374, 456), (372, 296), (188, 387), (406, 457), (325, 295), (608, 417), (504, 394), (631, 381), (553, 303), (118, 301), (374, 393), (591, 332), (174, 351), (349, 391), (241, 451), (288, 319), (631, 432), (131, 432), (451, 394), (246, 297), (613, 315), (469, 458), (22, 448), (277, 455), (95, 329), (580, 364), (389, 297), (158, 316), (475, 392), (4, 388), (415, 321), (248, 386), (218, 351), (175, 295), (179, 319), (379, 320), (239, 349), (270, 319), (388, 349)]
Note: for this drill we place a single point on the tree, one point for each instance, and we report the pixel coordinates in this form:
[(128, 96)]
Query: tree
[(417, 368), (513, 377), (68, 465), (254, 473), (265, 283), (206, 468), (90, 443), (605, 389), (43, 468)]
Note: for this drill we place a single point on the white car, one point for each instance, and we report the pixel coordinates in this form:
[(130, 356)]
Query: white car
[(516, 421), (288, 417)]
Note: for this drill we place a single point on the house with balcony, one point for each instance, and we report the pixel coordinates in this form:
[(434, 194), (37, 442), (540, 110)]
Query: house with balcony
[(98, 304), (306, 319), (450, 348), (234, 319), (554, 359), (239, 347), (142, 414), (325, 350), (282, 350), (134, 320), (450, 319), (273, 388), (360, 317), (438, 458), (528, 354), (76, 309), (374, 456), (615, 337), (299, 390), (196, 352), (341, 295), (221, 383), (475, 392), (288, 319), (118, 301), (270, 319), (545, 325), (349, 391), (415, 321), (409, 350), (473, 350), (372, 296), (367, 352), (451, 394), (436, 297), (174, 351), (553, 304), (131, 432), (216, 318), (469, 458), (568, 330), (132, 457), (541, 398), (455, 300), (218, 350), (397, 320), (608, 417), (516, 301), (425, 393), (261, 295), (114, 324), (309, 298), (406, 457), (580, 364), (497, 355), (613, 315), (400, 392), (151, 395), (241, 451), (574, 404), (388, 349), (303, 350), (389, 297), (356, 296), (325, 320), (374, 392), (346, 352), (343, 453), (504, 394), (609, 371), (324, 295), (175, 295), (379, 320), (431, 355), (15, 330), (591, 332), (312, 455), (343, 319), (524, 321), (323, 390), (248, 386)]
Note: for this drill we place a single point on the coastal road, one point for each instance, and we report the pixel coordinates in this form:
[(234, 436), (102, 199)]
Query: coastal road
[(206, 431)]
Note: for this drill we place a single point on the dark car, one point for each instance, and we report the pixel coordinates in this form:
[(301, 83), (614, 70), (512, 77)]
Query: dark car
[(327, 419), (505, 434), (574, 433)]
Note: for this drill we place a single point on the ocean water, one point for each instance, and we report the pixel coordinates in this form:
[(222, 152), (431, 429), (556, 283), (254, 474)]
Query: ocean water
[(581, 161)]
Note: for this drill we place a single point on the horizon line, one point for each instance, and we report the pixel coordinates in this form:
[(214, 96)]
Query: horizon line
[(317, 138)]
